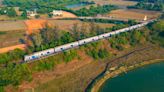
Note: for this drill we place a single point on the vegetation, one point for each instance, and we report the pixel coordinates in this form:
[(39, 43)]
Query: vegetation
[(8, 11), (43, 6), (14, 55), (93, 11), (1, 33), (157, 5), (157, 33), (14, 74)]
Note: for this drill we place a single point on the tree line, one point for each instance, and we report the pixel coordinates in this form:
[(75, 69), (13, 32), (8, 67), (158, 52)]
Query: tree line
[(94, 10), (9, 11), (156, 5)]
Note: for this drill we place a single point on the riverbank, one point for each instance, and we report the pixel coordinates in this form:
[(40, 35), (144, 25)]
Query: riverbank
[(123, 69)]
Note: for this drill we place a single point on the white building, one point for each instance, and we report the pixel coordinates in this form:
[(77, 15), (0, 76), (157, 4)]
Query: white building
[(31, 13), (57, 13)]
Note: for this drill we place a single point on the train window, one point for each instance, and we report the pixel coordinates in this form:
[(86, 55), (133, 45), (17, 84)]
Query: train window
[(84, 42), (41, 53), (103, 36), (61, 48), (33, 57), (71, 45), (48, 52), (93, 39)]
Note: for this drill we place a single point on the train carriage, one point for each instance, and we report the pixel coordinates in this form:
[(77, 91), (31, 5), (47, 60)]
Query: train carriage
[(39, 54), (88, 40), (66, 46)]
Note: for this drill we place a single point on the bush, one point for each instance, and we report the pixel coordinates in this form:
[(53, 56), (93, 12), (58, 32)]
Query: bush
[(11, 56), (14, 74), (69, 55), (103, 53), (47, 65)]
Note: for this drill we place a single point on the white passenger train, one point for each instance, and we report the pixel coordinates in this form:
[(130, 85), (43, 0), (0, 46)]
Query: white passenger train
[(61, 48)]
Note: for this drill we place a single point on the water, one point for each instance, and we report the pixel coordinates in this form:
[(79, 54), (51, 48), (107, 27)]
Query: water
[(75, 5), (146, 79)]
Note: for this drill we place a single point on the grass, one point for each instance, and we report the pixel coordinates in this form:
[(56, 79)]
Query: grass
[(10, 38), (78, 80), (12, 25), (1, 33)]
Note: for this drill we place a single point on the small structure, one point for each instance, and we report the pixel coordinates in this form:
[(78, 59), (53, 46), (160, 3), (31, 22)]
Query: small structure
[(145, 18), (57, 12), (31, 13)]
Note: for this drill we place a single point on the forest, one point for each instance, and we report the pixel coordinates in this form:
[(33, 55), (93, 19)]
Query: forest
[(156, 5), (94, 10)]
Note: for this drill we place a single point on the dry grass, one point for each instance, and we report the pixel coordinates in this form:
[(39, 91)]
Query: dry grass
[(11, 38), (133, 14), (11, 25), (67, 24)]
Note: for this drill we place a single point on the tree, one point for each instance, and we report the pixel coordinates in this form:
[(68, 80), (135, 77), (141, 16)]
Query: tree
[(37, 39), (24, 15), (37, 16), (11, 12), (75, 31)]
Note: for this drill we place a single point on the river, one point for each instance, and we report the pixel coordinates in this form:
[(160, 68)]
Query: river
[(76, 5), (145, 79)]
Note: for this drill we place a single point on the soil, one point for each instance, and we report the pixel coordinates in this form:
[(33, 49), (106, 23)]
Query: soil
[(6, 49)]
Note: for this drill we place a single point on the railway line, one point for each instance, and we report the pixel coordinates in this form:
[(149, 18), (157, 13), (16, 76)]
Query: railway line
[(58, 49)]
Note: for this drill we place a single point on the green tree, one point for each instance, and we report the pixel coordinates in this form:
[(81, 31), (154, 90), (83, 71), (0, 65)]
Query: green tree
[(11, 12), (24, 15)]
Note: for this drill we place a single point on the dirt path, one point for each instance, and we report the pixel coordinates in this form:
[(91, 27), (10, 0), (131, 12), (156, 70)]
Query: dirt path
[(6, 49)]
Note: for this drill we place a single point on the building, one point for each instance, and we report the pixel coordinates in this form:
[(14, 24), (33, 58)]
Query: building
[(57, 12), (145, 18), (31, 13)]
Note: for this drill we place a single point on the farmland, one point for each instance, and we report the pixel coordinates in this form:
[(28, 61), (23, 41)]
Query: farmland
[(115, 2), (11, 38), (12, 25), (133, 14)]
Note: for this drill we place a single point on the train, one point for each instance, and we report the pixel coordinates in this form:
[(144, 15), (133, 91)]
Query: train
[(51, 51)]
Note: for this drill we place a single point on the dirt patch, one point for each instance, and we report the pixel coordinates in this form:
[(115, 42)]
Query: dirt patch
[(34, 25), (133, 14), (6, 49)]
